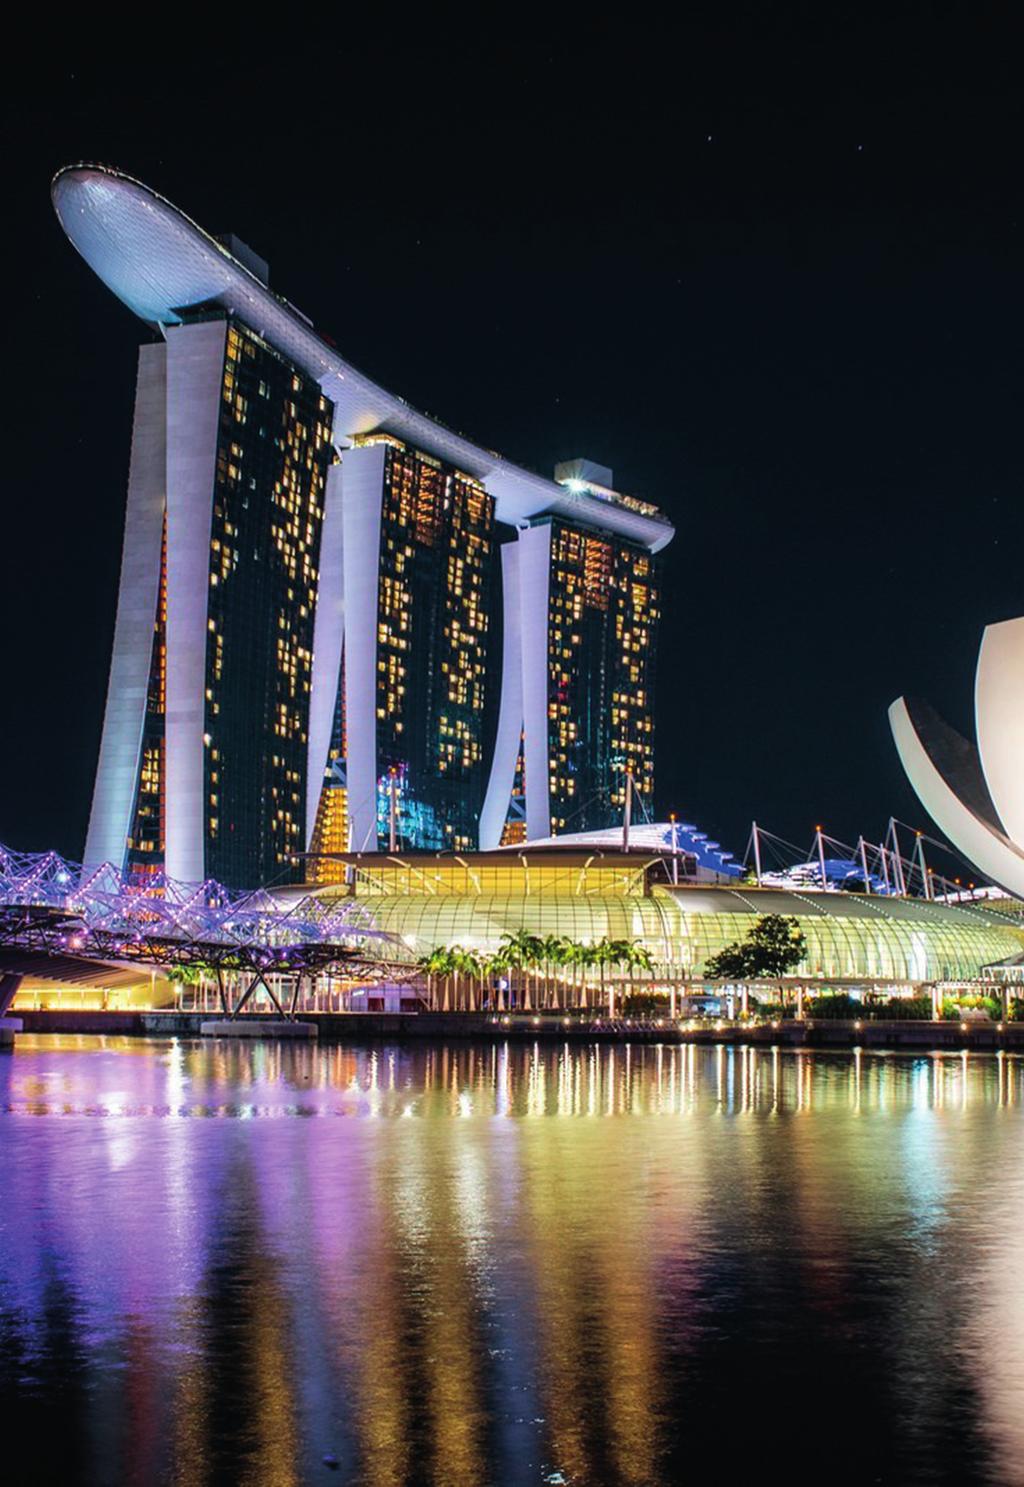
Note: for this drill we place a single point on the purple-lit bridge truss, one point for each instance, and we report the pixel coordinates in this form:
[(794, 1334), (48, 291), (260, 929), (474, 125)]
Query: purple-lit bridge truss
[(58, 909)]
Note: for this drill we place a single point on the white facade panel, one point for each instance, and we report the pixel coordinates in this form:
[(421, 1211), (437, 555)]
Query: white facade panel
[(156, 260), (117, 772), (362, 484), (999, 721), (534, 584), (510, 712), (994, 855), (195, 368), (328, 637)]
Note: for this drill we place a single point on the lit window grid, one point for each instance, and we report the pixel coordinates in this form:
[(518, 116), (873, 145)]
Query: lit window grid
[(433, 593), (603, 612), (273, 454), (945, 946), (148, 830)]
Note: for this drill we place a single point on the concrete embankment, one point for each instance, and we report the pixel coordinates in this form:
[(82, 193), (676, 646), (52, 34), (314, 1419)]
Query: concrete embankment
[(9, 1028), (362, 1026)]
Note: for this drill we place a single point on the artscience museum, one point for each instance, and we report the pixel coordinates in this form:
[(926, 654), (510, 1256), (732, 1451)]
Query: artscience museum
[(975, 792)]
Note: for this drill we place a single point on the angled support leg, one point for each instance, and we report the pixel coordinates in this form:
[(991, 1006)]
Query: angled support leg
[(245, 996), (9, 984)]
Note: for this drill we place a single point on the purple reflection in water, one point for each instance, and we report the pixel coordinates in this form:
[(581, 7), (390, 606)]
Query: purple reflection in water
[(506, 1263)]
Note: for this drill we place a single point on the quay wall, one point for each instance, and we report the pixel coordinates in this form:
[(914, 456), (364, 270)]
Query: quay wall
[(373, 1026)]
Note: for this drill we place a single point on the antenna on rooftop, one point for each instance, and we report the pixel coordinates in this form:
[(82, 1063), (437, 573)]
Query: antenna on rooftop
[(392, 813), (821, 856), (924, 867)]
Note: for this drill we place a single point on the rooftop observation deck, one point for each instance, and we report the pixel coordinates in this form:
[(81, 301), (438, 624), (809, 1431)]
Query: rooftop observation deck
[(160, 263)]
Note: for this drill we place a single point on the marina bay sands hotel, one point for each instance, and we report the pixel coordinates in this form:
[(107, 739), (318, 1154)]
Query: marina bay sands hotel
[(337, 618)]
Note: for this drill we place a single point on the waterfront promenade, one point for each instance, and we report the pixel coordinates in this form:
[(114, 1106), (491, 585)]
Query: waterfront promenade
[(980, 1035)]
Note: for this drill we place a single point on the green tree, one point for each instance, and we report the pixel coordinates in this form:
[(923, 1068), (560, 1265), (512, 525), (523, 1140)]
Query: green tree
[(579, 958), (773, 946), (639, 958), (552, 955), (495, 969), (467, 963), (437, 966), (525, 951)]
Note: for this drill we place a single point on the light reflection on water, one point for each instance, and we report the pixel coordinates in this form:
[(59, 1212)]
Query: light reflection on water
[(509, 1263)]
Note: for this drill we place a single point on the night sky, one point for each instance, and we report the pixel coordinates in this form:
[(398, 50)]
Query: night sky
[(767, 269)]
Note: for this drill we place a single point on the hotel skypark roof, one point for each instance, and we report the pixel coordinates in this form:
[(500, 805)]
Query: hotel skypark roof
[(160, 263)]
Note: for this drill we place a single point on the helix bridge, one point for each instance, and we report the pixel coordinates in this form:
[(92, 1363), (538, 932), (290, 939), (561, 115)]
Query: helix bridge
[(57, 913)]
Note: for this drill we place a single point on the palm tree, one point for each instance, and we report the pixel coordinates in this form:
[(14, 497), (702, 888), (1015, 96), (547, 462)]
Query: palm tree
[(641, 957), (618, 956), (601, 957), (437, 964), (425, 968), (468, 963), (589, 958), (495, 968), (552, 953), (511, 952), (638, 958), (628, 953), (575, 958), (525, 952), (534, 962)]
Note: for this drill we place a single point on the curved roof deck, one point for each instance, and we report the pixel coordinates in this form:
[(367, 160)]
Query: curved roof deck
[(854, 937), (159, 263)]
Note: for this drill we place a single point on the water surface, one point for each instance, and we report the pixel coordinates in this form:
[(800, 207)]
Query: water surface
[(508, 1264)]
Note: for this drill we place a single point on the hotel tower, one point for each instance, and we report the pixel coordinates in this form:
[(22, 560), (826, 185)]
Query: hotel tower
[(340, 624)]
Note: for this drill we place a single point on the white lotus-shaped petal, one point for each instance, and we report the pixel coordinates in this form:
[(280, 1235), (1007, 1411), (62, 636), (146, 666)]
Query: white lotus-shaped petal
[(975, 795), (999, 719)]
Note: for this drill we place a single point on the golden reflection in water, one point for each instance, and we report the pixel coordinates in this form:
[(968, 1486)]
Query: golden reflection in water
[(383, 1388), (993, 1336), (424, 1208), (274, 1461), (459, 1261), (189, 1405)]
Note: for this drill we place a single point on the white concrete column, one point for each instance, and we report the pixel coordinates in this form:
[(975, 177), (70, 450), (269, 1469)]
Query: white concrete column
[(328, 638), (534, 583), (195, 371), (363, 487), (510, 713), (117, 772), (10, 981), (999, 720)]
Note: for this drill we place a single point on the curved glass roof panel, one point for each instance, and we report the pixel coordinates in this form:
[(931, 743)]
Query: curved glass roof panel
[(849, 936)]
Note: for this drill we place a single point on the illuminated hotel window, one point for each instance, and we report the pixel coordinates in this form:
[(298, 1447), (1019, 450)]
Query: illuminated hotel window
[(264, 561), (147, 834), (435, 699), (602, 625)]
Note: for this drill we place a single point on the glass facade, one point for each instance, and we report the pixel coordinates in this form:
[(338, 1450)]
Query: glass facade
[(273, 452), (331, 831), (145, 846), (849, 936), (514, 830), (604, 606), (434, 701)]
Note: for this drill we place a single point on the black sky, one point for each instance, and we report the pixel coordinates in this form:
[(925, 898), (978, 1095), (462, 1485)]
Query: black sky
[(766, 267)]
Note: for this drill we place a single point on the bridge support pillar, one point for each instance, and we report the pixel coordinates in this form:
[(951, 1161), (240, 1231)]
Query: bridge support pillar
[(9, 983)]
